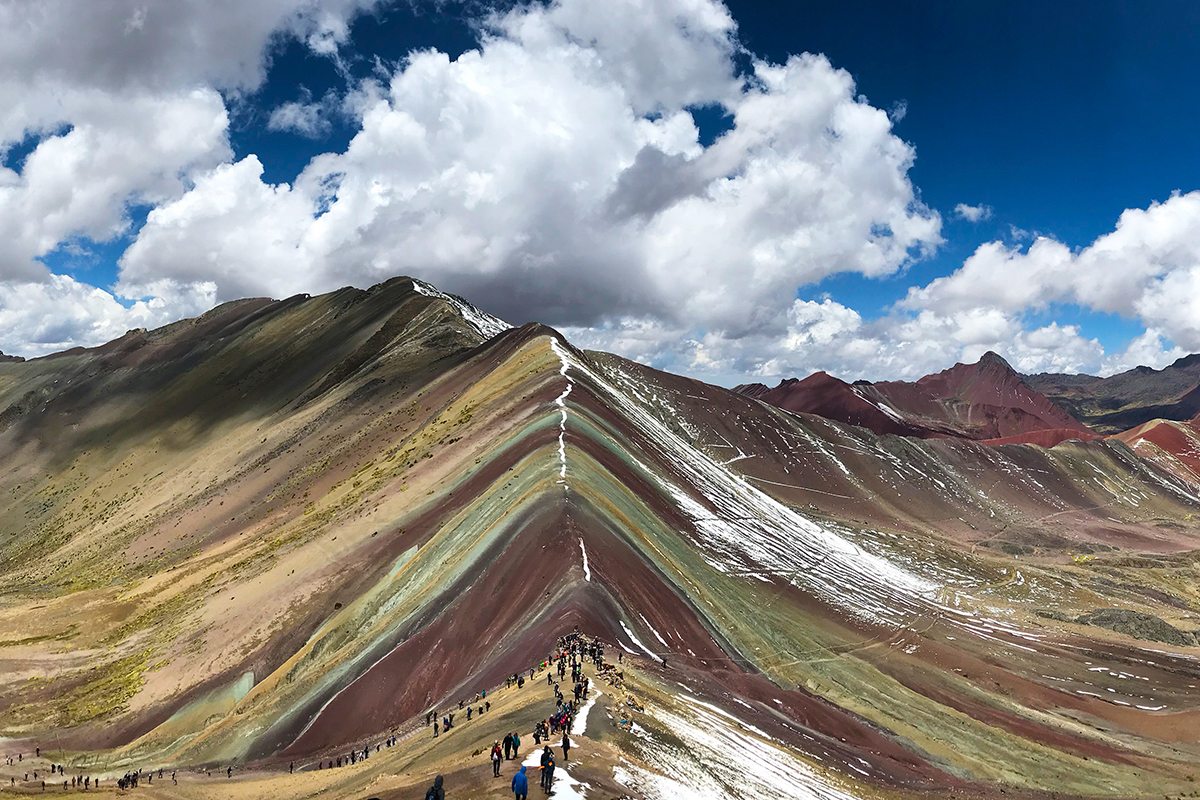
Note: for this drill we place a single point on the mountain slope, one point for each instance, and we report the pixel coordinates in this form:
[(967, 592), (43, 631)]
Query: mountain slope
[(1128, 399), (286, 527)]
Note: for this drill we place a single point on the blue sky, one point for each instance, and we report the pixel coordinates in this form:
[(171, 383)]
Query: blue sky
[(1058, 116), (1051, 120)]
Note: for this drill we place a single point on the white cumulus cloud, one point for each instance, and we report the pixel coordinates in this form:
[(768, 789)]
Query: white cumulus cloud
[(1147, 268), (973, 213), (44, 316), (120, 101), (556, 173)]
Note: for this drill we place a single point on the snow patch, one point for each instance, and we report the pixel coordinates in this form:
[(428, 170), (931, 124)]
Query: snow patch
[(639, 644), (587, 573), (564, 787), (561, 402), (715, 763), (579, 726), (484, 324)]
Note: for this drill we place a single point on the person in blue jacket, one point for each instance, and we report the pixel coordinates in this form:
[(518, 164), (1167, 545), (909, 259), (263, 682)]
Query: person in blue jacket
[(520, 785)]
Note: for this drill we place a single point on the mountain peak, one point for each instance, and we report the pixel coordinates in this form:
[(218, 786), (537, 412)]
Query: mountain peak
[(985, 400), (993, 358)]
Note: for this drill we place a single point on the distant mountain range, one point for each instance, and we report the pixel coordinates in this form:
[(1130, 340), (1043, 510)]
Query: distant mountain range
[(1129, 399), (989, 401)]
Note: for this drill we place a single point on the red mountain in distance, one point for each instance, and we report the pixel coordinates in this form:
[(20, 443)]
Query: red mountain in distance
[(826, 396), (985, 401), (1171, 444)]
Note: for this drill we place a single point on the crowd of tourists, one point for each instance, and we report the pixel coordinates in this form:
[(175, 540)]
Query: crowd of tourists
[(57, 771), (571, 653), (566, 662)]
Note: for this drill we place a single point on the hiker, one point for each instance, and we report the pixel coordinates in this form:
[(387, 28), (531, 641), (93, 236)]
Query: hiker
[(435, 729), (469, 710), (436, 792), (547, 768), (516, 745), (507, 746), (291, 768), (428, 717), (229, 772), (487, 705), (520, 785), (496, 759), (566, 746)]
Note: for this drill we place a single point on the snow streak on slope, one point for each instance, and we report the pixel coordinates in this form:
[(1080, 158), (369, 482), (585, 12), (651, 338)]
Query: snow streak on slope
[(561, 402), (579, 726), (487, 325), (744, 529), (587, 573), (720, 760), (638, 642)]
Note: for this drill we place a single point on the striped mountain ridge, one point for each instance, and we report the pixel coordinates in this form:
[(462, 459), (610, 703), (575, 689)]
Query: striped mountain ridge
[(286, 527)]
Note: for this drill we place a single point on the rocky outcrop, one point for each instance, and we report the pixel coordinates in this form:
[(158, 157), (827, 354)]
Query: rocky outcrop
[(1137, 624)]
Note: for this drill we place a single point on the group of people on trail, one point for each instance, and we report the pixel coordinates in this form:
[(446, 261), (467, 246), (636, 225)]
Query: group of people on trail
[(84, 782), (447, 720), (354, 756), (570, 654), (512, 746)]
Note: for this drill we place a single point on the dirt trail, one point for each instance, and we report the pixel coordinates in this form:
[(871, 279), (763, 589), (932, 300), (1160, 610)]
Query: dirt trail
[(405, 769)]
